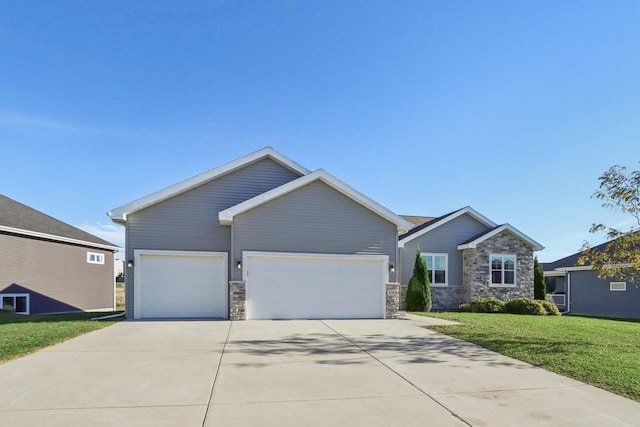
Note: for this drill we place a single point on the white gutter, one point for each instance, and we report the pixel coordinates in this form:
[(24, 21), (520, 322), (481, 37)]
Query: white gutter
[(568, 293), (57, 238)]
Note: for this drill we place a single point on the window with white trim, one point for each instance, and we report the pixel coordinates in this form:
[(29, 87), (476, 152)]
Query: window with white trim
[(95, 258), (437, 265), (15, 303), (503, 269), (617, 286)]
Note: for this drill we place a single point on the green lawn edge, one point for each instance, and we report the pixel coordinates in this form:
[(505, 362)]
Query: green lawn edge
[(21, 335), (601, 352)]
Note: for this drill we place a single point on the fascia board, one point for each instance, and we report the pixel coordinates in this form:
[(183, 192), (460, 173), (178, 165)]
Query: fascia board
[(466, 210), (120, 214), (57, 238), (226, 216), (537, 246)]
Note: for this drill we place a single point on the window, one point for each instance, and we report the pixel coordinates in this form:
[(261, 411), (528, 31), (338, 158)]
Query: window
[(503, 270), (437, 268), (95, 258), (15, 303), (618, 286)]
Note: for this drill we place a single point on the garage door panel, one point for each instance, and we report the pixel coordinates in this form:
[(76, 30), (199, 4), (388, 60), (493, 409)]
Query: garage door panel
[(307, 287), (180, 285)]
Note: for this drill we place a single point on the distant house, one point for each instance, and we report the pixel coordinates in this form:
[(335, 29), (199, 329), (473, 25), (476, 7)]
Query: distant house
[(576, 289), (468, 256), (48, 266)]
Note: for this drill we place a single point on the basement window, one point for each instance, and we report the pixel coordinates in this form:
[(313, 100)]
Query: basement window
[(15, 303), (95, 258), (618, 286)]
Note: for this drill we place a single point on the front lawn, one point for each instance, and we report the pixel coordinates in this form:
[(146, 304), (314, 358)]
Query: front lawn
[(604, 353), (20, 335)]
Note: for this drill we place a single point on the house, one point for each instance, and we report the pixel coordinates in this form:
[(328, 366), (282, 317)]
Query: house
[(262, 237), (51, 267), (468, 256), (578, 290)]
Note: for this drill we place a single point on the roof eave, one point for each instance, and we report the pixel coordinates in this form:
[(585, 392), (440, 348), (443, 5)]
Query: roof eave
[(62, 239)]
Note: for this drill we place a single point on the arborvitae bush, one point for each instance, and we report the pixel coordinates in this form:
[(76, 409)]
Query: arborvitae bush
[(539, 285), (419, 290)]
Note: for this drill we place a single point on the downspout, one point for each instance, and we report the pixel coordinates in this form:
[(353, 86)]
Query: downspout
[(568, 292)]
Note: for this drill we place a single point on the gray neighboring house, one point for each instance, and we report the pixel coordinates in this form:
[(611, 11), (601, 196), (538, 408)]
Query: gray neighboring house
[(468, 256), (262, 237), (49, 266), (576, 289)]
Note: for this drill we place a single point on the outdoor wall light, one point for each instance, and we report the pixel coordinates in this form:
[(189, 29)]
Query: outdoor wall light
[(130, 263), (392, 269), (239, 265)]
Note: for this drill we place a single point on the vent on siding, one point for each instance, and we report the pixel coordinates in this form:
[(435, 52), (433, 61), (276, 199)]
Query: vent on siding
[(618, 286)]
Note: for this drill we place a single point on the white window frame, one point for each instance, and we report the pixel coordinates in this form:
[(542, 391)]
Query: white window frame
[(446, 267), (2, 296), (99, 258), (621, 289), (515, 271)]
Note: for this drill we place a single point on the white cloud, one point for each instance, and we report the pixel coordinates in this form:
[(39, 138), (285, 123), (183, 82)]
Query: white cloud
[(9, 119), (110, 232)]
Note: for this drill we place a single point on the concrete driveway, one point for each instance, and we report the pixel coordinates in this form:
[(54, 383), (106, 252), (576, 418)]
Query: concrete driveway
[(291, 373)]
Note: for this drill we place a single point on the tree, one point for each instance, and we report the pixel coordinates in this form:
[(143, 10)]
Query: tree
[(539, 285), (419, 289), (620, 257)]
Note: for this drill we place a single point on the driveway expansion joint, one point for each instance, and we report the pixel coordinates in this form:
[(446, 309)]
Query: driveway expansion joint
[(215, 378), (401, 376)]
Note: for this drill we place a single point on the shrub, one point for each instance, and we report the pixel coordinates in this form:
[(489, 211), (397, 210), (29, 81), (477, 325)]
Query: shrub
[(525, 306), (487, 305), (551, 308), (416, 296), (420, 272), (539, 285), (465, 307)]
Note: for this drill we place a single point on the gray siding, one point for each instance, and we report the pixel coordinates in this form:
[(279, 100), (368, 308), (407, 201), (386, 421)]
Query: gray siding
[(444, 239), (591, 296), (55, 275), (314, 219), (189, 221)]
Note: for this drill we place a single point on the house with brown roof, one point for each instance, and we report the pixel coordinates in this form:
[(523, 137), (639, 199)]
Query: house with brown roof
[(48, 266)]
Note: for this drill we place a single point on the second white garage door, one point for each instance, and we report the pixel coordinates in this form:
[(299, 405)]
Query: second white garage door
[(313, 286), (170, 284)]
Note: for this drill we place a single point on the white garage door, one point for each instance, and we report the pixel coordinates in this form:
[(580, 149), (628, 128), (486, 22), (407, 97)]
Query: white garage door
[(311, 286), (180, 284)]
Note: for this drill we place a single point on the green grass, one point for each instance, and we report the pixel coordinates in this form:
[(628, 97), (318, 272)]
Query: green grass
[(20, 335), (601, 352)]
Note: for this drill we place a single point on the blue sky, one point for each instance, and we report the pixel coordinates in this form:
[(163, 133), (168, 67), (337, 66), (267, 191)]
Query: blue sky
[(513, 108)]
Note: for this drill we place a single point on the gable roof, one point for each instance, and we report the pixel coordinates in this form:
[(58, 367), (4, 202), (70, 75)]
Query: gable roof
[(17, 218), (474, 241), (120, 214), (437, 222), (417, 221), (226, 216)]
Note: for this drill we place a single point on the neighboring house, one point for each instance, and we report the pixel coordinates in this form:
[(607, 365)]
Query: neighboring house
[(262, 237), (576, 289), (468, 256), (48, 266)]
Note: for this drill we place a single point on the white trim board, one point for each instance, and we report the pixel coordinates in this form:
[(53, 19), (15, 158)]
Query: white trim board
[(505, 227), (226, 216), (119, 214), (466, 210), (58, 238)]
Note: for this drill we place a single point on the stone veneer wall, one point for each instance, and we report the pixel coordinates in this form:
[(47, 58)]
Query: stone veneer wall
[(393, 301), (476, 269), (448, 297), (403, 296), (238, 305)]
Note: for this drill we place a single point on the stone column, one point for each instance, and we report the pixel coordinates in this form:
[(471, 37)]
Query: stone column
[(393, 300), (237, 296)]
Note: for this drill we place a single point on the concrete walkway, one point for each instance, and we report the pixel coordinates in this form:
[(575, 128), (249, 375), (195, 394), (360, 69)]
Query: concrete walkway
[(291, 373)]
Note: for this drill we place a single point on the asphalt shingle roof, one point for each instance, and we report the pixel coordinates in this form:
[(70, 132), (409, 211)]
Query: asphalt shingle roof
[(428, 221), (16, 215)]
